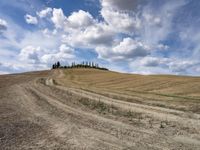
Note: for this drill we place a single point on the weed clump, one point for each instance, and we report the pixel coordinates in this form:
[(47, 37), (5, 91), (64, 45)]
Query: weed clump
[(103, 108), (99, 106)]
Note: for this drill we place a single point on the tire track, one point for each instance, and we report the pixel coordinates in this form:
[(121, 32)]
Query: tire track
[(157, 112)]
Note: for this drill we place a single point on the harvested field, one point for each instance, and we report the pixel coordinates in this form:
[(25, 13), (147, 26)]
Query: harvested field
[(93, 109)]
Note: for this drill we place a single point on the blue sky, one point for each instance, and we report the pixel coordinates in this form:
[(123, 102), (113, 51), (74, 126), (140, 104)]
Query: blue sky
[(135, 36)]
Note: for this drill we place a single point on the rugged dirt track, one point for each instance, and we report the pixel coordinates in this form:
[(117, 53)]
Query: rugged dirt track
[(37, 113)]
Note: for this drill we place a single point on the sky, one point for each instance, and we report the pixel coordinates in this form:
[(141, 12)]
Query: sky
[(133, 36)]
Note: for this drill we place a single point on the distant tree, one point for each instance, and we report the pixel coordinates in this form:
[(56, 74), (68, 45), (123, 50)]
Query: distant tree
[(72, 64), (83, 64), (89, 64), (53, 66), (58, 65)]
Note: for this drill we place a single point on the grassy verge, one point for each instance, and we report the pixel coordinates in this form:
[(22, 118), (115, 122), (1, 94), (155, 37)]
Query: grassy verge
[(103, 108)]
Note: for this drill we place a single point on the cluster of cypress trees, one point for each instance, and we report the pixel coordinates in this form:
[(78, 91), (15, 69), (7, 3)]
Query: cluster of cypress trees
[(79, 65), (56, 65)]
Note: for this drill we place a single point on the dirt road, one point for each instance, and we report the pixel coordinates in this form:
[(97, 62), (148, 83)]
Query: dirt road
[(37, 113)]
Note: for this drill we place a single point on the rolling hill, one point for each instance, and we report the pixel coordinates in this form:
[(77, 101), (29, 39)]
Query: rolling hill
[(96, 109), (166, 90)]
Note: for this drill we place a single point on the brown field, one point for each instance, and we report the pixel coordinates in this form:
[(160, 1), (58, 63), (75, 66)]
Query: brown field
[(93, 109)]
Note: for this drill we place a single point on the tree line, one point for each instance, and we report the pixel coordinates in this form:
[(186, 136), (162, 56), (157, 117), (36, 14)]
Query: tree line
[(86, 64)]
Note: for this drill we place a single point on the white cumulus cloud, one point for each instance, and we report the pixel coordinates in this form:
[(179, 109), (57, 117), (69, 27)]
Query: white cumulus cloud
[(90, 37), (64, 54), (80, 19), (121, 22), (127, 49), (58, 18), (45, 12), (30, 54)]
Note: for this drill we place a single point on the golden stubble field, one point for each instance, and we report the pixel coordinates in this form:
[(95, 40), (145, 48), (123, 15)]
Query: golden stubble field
[(93, 109)]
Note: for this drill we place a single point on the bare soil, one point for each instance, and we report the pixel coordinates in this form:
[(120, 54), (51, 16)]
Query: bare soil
[(50, 110)]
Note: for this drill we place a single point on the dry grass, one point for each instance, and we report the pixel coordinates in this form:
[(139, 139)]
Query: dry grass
[(158, 90), (161, 85)]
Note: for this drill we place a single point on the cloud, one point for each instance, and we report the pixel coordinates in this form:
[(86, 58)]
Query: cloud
[(128, 23), (30, 54), (37, 56), (45, 12), (125, 5), (183, 67), (47, 41), (3, 25), (127, 49), (81, 30), (65, 49), (131, 48), (80, 19), (34, 51), (64, 54), (76, 21), (24, 49), (48, 33), (162, 65), (150, 61), (17, 67), (157, 23), (6, 68), (145, 36), (152, 19), (58, 18), (90, 37), (30, 19), (153, 61)]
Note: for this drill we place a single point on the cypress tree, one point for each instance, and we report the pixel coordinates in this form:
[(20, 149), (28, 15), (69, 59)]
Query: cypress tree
[(58, 64), (53, 67), (89, 64)]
